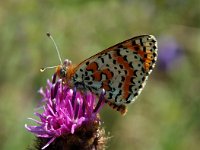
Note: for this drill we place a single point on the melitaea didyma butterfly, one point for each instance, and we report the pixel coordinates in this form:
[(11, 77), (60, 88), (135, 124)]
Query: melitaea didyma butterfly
[(121, 70)]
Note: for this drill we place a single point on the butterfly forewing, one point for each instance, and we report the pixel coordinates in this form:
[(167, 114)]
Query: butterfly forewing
[(120, 70)]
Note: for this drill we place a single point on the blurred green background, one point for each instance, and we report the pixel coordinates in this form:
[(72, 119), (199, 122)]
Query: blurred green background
[(166, 116)]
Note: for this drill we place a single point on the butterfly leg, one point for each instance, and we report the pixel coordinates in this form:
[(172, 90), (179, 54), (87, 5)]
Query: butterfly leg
[(54, 78)]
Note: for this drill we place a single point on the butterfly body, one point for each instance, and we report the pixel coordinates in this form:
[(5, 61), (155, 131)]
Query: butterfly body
[(121, 70)]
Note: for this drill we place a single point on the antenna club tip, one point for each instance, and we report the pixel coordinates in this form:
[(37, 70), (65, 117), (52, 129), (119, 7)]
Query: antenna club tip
[(48, 34), (42, 69)]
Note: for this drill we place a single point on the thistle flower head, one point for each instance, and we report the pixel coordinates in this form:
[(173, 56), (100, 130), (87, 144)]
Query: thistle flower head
[(65, 111)]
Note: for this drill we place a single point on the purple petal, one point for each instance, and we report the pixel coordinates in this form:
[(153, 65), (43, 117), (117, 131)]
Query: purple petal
[(38, 122), (49, 143)]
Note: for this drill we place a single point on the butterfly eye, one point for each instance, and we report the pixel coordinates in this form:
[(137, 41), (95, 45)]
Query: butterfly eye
[(67, 62), (62, 73)]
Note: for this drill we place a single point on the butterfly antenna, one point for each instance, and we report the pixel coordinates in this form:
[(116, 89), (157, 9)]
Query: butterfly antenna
[(43, 69), (49, 35)]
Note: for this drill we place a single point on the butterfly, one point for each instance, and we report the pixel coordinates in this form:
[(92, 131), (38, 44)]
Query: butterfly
[(121, 70)]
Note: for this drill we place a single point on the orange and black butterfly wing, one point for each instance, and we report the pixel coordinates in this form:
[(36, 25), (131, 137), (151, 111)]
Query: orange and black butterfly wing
[(121, 70)]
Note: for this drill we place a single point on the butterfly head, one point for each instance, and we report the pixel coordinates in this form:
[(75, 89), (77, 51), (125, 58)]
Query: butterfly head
[(62, 70)]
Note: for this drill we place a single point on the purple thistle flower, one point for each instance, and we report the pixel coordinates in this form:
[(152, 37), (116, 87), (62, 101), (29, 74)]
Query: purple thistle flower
[(65, 111)]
